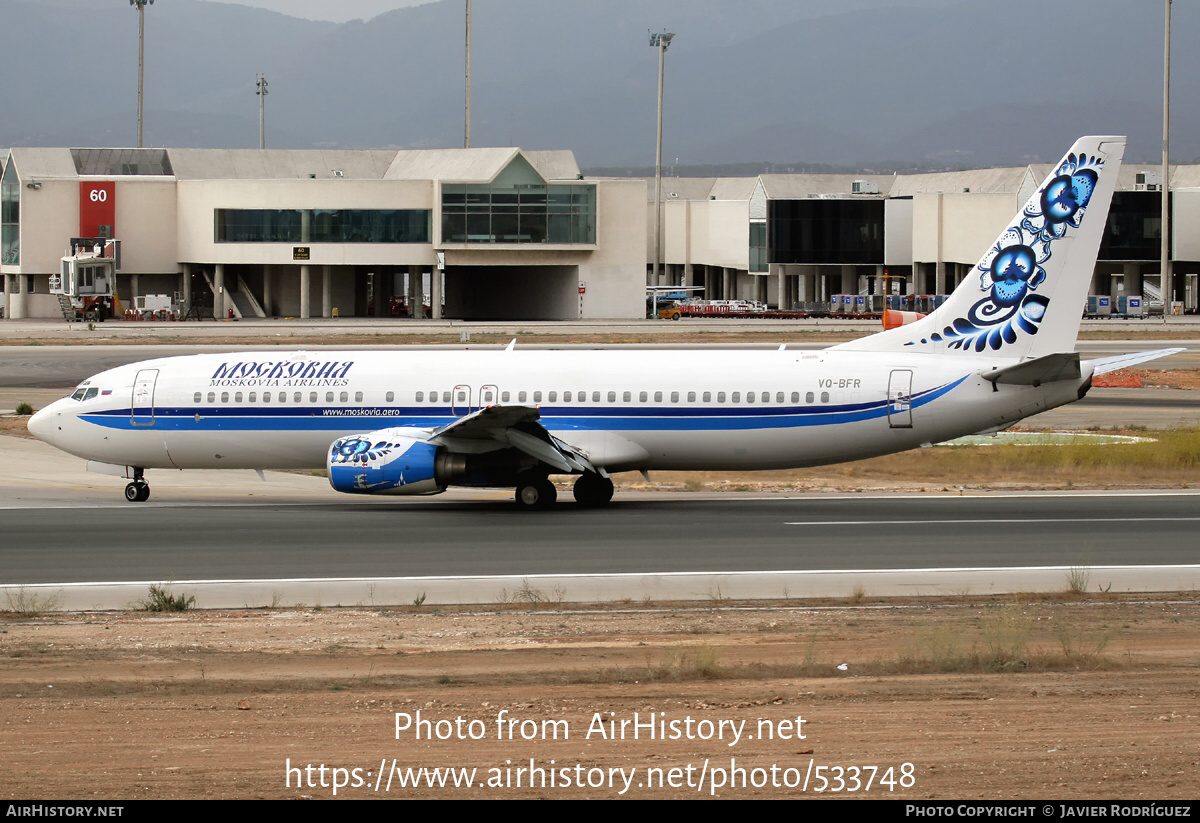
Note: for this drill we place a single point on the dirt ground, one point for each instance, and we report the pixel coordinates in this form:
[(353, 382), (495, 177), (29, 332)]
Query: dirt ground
[(1037, 697)]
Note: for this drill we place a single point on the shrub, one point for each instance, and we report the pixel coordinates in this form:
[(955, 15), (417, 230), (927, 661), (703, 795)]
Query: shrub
[(161, 600)]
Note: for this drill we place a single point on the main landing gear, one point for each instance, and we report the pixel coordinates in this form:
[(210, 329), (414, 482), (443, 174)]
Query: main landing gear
[(592, 490), (535, 491), (139, 490)]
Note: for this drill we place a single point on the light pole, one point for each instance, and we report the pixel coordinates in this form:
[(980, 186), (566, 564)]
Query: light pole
[(660, 41), (261, 90), (1164, 278), (467, 128), (141, 7)]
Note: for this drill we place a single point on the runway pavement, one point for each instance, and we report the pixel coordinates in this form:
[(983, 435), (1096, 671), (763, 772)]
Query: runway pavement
[(235, 541)]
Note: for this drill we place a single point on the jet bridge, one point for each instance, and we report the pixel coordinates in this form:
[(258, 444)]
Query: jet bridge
[(87, 280)]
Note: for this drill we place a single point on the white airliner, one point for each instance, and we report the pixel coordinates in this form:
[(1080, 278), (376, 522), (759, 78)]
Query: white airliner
[(1000, 349)]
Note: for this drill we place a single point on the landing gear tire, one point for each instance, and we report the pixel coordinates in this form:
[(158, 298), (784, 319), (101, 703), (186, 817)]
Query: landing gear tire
[(536, 493), (137, 492), (592, 490)]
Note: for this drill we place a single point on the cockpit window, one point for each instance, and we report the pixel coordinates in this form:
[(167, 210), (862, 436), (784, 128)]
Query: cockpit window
[(91, 393), (78, 394)]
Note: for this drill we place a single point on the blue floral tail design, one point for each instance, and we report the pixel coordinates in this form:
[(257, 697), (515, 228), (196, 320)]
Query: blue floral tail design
[(1025, 296)]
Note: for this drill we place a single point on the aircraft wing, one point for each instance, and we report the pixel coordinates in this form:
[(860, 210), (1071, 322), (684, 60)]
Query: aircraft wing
[(515, 426), (1123, 361)]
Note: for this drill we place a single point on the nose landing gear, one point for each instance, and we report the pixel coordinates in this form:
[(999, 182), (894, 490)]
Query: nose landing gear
[(139, 490)]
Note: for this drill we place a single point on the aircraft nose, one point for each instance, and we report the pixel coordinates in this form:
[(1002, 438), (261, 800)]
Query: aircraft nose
[(41, 425)]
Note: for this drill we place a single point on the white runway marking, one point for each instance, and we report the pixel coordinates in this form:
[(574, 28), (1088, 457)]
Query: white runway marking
[(995, 520)]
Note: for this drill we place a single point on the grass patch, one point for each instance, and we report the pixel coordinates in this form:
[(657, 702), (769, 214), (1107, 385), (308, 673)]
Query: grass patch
[(25, 602), (24, 409), (1167, 458), (1078, 579), (527, 595), (160, 599), (1010, 639)]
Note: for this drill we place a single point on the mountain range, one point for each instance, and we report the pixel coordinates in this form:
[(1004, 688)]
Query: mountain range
[(871, 84)]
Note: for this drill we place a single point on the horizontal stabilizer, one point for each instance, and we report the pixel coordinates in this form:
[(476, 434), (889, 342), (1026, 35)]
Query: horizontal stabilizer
[(1123, 361), (1046, 369)]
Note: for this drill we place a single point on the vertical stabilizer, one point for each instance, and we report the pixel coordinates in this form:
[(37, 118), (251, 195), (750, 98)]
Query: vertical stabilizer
[(1025, 296)]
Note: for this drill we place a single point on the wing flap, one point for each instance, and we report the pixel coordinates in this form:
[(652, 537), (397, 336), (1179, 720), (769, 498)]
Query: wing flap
[(516, 426)]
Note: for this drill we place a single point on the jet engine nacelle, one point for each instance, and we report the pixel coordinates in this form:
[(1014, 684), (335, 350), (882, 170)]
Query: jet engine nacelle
[(388, 461)]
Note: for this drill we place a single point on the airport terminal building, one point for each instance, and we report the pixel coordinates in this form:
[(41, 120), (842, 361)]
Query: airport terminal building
[(788, 240), (488, 233), (509, 234)]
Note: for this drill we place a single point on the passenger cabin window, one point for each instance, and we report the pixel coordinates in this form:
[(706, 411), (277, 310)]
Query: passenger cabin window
[(195, 397), (237, 397), (691, 397), (612, 397), (537, 397), (266, 397), (674, 397), (504, 396), (737, 397), (658, 397), (212, 397), (778, 397), (749, 397), (358, 396), (390, 396), (328, 397), (720, 397), (522, 397), (253, 395), (224, 397), (824, 397), (809, 397), (552, 397), (420, 396), (643, 397), (312, 397), (344, 397)]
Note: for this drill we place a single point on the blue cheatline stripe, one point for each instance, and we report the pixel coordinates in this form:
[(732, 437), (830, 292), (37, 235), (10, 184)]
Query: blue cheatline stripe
[(667, 418)]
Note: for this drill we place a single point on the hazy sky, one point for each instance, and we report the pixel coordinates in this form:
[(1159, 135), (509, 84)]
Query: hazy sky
[(338, 12)]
